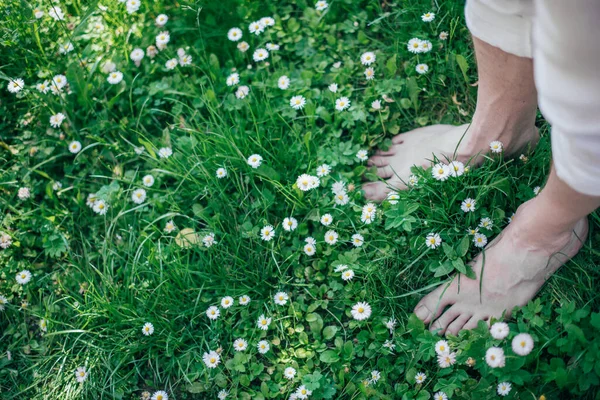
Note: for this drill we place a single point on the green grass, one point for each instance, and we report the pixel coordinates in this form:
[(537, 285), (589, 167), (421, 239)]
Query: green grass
[(98, 279)]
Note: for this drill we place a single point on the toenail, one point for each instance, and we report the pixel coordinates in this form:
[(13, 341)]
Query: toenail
[(422, 312)]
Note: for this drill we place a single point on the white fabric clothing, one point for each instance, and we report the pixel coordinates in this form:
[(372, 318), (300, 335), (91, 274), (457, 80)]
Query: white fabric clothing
[(562, 37)]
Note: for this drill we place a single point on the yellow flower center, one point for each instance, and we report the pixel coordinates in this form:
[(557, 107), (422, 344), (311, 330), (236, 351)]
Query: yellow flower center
[(523, 344), (213, 360), (361, 310), (264, 322), (442, 348)]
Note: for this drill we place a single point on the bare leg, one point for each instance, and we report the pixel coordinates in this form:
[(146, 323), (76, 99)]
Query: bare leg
[(545, 233), (506, 109)]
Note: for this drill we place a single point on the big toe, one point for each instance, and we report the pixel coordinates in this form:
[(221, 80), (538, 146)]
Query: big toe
[(376, 191), (431, 306)]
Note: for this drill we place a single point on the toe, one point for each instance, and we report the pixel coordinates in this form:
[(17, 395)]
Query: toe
[(376, 191), (446, 319), (389, 152), (472, 323), (432, 305), (385, 172), (378, 161), (458, 324)]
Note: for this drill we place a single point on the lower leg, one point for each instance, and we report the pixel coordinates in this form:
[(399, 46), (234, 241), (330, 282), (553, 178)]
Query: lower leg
[(506, 110)]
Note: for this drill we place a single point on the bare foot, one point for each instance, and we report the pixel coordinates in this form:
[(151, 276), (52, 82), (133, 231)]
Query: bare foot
[(446, 142), (517, 263)]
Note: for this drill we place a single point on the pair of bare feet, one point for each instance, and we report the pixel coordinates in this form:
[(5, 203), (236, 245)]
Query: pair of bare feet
[(516, 263)]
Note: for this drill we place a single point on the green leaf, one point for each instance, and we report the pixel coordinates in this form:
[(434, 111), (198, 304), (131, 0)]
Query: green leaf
[(459, 265), (463, 65), (329, 356), (391, 66), (463, 246), (444, 269), (329, 332)]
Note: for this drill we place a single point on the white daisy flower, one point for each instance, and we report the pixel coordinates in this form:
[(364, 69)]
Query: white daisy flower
[(81, 374), (185, 60), (221, 173), (499, 330), (263, 347), (323, 170), (331, 237), (213, 312), (148, 180), (468, 205), (370, 74), (148, 329), (357, 240), (57, 119), (414, 45), (100, 207), (420, 378), (440, 396), (234, 34), (433, 240), (23, 193), (290, 224), (333, 88), (442, 347), (170, 226), (222, 395), (171, 64), (289, 373), (504, 388), (456, 168), (162, 39), (209, 240), (307, 182), (226, 301), (496, 146), (43, 324), (211, 359), (446, 360), (362, 155), (443, 35), (255, 160), (347, 275), (297, 102), (56, 13), (303, 393), (391, 324), (283, 82), (341, 198), (240, 345), (23, 277), (422, 68), (256, 27), (326, 219), (3, 301), (367, 58), (115, 77), (263, 322), (161, 20), (426, 46), (494, 357), (393, 198), (136, 55), (244, 300), (272, 46), (340, 268), (361, 311), (310, 249), (267, 21), (267, 233), (138, 196), (281, 298), (428, 17), (375, 376), (75, 147), (522, 344), (342, 103), (38, 13), (376, 105), (260, 54), (486, 223), (243, 47), (242, 92), (480, 240), (321, 5), (60, 81), (132, 6), (43, 87), (338, 187), (65, 48)]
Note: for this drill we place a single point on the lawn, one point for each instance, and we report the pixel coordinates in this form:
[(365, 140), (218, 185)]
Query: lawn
[(181, 214)]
